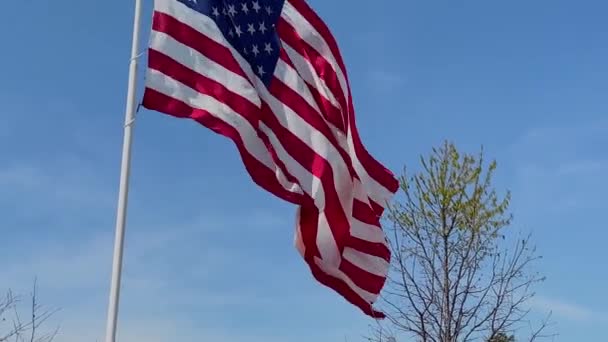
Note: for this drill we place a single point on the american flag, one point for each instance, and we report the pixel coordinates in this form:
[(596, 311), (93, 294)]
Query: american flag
[(268, 75)]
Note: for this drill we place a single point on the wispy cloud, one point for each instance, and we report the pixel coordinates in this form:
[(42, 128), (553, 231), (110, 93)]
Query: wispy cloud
[(568, 310), (384, 74), (559, 186), (572, 185), (62, 181), (22, 176), (386, 79), (166, 268), (160, 329), (207, 266), (562, 140), (562, 164), (186, 277)]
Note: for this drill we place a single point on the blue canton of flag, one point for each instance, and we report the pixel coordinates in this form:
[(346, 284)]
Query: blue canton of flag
[(250, 27)]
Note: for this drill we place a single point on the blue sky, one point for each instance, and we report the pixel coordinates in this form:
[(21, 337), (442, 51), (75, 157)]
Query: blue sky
[(210, 256)]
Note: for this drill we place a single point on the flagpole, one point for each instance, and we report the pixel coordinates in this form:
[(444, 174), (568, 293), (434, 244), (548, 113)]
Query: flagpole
[(123, 192)]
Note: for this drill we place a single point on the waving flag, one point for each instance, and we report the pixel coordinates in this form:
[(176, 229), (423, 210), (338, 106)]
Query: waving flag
[(268, 75)]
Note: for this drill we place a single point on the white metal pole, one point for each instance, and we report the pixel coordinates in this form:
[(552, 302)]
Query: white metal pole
[(123, 192)]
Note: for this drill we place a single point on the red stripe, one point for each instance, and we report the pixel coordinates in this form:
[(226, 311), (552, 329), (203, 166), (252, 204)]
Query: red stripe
[(301, 152), (364, 280), (308, 222), (204, 85), (324, 69), (321, 66), (331, 112), (315, 21), (260, 173), (309, 218), (279, 163), (372, 248), (219, 54), (378, 209), (298, 104), (376, 170), (197, 41), (342, 288), (317, 166), (364, 213)]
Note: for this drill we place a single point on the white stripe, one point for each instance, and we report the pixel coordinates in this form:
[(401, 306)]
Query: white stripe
[(310, 184), (377, 192), (306, 71), (309, 34), (298, 239), (369, 263), (204, 66), (204, 25), (289, 119), (316, 141), (362, 230), (367, 296), (313, 187), (326, 243), (292, 79), (253, 144), (366, 231), (179, 11)]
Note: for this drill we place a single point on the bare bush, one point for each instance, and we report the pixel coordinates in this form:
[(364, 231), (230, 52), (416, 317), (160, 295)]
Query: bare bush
[(17, 328)]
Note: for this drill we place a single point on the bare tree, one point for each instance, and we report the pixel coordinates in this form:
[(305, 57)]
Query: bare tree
[(14, 328), (453, 278)]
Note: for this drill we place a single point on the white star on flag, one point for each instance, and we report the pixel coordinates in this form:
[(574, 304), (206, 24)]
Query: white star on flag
[(231, 10), (256, 6), (268, 48), (263, 28)]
